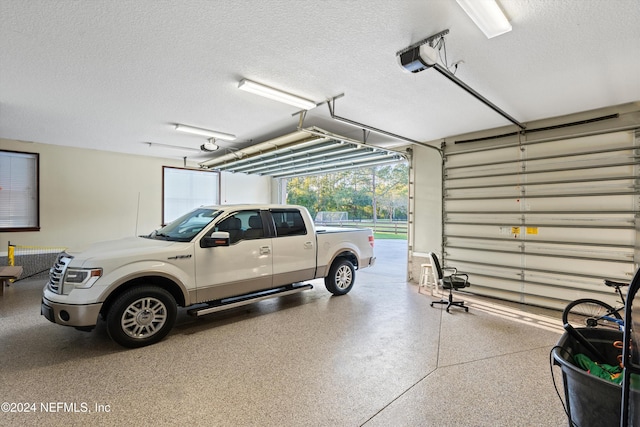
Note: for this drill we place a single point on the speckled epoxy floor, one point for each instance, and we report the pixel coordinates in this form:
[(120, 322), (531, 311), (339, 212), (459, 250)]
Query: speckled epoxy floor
[(379, 356)]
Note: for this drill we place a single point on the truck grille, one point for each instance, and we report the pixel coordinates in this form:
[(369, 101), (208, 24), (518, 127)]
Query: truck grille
[(56, 273)]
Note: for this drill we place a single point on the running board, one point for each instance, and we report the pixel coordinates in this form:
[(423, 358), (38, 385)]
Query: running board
[(239, 301)]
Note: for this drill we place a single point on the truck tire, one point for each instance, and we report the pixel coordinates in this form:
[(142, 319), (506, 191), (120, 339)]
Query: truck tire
[(341, 277), (141, 316)]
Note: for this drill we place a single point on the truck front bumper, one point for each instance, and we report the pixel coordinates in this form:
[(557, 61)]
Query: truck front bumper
[(70, 315)]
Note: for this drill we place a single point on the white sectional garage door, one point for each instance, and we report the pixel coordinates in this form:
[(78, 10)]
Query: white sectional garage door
[(543, 223)]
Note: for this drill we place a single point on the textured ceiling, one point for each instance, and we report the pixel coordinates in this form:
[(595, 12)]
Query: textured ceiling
[(116, 75)]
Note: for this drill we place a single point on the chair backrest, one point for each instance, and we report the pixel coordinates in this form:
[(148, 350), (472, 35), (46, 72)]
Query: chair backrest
[(455, 280), (233, 226), (435, 265), (255, 231)]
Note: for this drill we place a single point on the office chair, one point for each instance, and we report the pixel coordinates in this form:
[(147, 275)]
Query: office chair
[(453, 280)]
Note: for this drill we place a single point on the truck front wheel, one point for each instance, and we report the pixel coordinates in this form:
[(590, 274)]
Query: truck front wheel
[(141, 316), (341, 277)]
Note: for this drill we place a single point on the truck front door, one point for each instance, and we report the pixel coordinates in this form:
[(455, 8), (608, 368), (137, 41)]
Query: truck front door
[(246, 265)]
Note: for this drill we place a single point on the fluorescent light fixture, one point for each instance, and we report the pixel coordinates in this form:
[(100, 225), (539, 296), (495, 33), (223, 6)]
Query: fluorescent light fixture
[(205, 132), (175, 147), (487, 15), (275, 94)]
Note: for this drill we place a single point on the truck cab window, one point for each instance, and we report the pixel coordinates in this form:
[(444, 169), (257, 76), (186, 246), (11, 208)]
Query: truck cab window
[(243, 225), (289, 223)]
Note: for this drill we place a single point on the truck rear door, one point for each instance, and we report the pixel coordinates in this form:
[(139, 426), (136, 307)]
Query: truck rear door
[(294, 247)]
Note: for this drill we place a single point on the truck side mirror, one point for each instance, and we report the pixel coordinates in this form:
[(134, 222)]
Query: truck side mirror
[(218, 238)]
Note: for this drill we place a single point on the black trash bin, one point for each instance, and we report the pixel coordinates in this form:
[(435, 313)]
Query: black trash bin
[(591, 401)]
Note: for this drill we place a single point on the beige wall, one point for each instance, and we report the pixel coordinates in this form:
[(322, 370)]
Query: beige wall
[(427, 193), (89, 195)]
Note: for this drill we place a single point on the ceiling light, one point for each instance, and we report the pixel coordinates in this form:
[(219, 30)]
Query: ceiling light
[(205, 132), (275, 94), (209, 146), (487, 15), (175, 147)]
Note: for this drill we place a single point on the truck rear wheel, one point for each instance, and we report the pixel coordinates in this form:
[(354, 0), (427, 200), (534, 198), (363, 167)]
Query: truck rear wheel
[(141, 316), (341, 277)]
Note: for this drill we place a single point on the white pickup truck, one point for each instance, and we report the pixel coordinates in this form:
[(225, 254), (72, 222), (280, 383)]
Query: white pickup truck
[(212, 258)]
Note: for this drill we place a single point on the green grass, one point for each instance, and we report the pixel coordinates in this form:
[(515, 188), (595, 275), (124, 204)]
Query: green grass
[(380, 235)]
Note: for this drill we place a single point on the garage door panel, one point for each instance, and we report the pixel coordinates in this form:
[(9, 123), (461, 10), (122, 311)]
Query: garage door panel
[(548, 223), (481, 244), (562, 187), (490, 283), (582, 161), (485, 172), (575, 267), (515, 176), (586, 220), (479, 158), (505, 259), (618, 237), (498, 218), (500, 205), (592, 174), (618, 254), (613, 140), (613, 186), (582, 203)]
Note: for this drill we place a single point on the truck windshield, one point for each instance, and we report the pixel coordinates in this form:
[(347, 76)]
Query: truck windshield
[(187, 226)]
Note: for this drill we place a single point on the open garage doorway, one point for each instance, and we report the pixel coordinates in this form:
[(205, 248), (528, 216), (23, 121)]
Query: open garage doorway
[(374, 197)]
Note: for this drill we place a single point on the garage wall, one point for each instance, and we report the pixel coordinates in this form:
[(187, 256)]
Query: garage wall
[(543, 217), (242, 188), (425, 221), (89, 195)]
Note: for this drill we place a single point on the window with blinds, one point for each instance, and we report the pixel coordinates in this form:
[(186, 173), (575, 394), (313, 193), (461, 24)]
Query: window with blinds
[(187, 189), (19, 191)]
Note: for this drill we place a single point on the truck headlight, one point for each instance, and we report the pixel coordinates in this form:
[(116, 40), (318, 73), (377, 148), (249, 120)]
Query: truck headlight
[(81, 278)]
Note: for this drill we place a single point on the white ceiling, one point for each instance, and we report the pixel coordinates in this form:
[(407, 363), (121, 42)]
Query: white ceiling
[(116, 75)]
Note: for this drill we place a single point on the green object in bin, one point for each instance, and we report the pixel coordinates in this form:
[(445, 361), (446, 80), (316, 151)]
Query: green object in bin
[(601, 370)]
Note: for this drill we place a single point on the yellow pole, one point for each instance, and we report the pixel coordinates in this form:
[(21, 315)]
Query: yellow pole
[(12, 255)]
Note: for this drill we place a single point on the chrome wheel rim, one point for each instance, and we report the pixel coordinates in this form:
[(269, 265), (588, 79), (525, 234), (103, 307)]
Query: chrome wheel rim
[(144, 317), (344, 276)]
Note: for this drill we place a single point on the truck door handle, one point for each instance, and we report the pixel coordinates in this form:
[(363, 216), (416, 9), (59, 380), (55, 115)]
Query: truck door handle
[(265, 250), (308, 245)]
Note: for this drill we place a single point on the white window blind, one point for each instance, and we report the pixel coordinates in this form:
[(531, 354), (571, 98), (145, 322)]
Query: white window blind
[(19, 191), (187, 189)]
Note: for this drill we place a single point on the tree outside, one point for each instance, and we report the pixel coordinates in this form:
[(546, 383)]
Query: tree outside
[(371, 194)]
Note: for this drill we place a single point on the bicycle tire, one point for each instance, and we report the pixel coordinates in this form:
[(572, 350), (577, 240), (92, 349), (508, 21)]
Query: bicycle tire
[(588, 313)]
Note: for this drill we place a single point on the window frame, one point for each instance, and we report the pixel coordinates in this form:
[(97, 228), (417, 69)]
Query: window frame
[(34, 205)]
